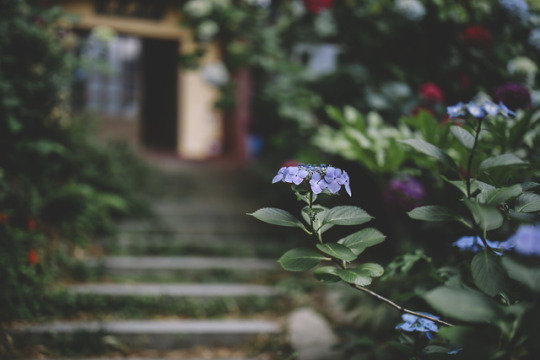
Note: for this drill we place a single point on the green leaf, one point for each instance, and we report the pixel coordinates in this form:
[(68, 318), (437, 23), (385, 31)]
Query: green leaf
[(486, 216), (432, 213), (463, 136), (337, 250), (354, 276), (320, 214), (362, 239), (501, 160), (346, 215), (430, 150), (326, 274), (462, 304), (488, 274), (374, 270), (528, 202), (300, 259), (498, 196), (528, 276), (277, 217)]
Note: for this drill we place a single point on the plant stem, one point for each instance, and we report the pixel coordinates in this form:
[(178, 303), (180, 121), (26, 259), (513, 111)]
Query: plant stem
[(391, 303), (471, 156)]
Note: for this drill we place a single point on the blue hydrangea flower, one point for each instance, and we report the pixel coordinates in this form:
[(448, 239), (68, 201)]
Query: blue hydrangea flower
[(317, 183), (411, 9), (475, 110), (475, 244), (491, 108), (319, 177), (516, 8), (413, 323), (526, 241), (534, 38), (456, 110), (479, 111), (296, 175), (506, 111)]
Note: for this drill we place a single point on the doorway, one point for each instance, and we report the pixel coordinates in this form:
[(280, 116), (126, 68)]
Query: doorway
[(159, 106)]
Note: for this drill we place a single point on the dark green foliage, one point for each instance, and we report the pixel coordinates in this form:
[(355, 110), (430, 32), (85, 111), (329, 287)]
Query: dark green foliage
[(57, 184)]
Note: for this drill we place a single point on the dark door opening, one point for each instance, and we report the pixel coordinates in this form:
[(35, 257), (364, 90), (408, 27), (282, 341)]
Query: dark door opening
[(159, 114)]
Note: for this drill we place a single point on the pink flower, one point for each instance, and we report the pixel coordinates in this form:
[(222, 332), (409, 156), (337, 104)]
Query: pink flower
[(431, 92), (316, 6), (476, 35), (33, 257)]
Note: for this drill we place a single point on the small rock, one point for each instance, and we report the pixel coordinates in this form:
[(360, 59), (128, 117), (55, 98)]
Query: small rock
[(311, 336)]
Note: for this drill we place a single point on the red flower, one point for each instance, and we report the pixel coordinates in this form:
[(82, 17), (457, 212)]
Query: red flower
[(431, 92), (316, 6), (33, 257), (31, 224), (289, 162), (476, 35), (4, 219)]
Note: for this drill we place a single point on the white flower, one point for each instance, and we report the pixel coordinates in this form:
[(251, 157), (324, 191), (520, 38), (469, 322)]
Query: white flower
[(325, 24), (207, 30), (524, 68), (198, 8), (261, 3), (411, 9), (535, 98), (215, 73), (396, 89)]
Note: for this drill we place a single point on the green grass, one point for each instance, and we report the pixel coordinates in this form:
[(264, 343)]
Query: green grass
[(63, 305)]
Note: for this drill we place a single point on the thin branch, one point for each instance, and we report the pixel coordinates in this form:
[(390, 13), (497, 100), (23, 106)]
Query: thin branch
[(469, 162), (399, 307), (391, 303)]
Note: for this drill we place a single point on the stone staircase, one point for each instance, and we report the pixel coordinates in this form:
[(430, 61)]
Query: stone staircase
[(200, 250)]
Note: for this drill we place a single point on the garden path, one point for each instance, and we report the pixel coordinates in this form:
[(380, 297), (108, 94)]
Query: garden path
[(197, 280)]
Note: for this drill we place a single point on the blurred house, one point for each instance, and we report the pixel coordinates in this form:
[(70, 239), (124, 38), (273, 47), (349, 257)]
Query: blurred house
[(134, 83)]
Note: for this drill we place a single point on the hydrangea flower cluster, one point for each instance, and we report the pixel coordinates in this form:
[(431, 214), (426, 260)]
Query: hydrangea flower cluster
[(404, 192), (413, 10), (431, 92), (475, 244), (319, 177), (516, 8), (526, 241), (413, 323), (479, 111), (476, 35), (513, 95), (534, 38)]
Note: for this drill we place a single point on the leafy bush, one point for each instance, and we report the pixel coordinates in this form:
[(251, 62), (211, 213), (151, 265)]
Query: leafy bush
[(57, 184)]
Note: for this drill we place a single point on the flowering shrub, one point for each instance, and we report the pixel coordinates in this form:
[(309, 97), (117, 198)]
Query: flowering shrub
[(57, 186)]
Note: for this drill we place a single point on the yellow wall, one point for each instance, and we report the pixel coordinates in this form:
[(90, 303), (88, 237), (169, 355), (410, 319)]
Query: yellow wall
[(198, 124)]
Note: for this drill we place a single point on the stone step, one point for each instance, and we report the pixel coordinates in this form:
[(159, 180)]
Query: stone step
[(172, 263), (152, 334), (174, 290)]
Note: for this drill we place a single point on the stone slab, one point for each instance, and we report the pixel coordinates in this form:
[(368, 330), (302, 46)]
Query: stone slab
[(175, 290), (153, 334), (170, 263)]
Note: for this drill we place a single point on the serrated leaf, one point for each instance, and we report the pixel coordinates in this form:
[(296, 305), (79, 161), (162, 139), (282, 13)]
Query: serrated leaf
[(528, 202), (277, 217), (501, 160), (337, 250), (430, 150), (354, 276), (486, 216), (326, 274), (498, 196), (374, 270), (346, 215), (300, 259), (488, 274), (462, 304), (463, 136), (528, 276), (432, 213), (362, 239)]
